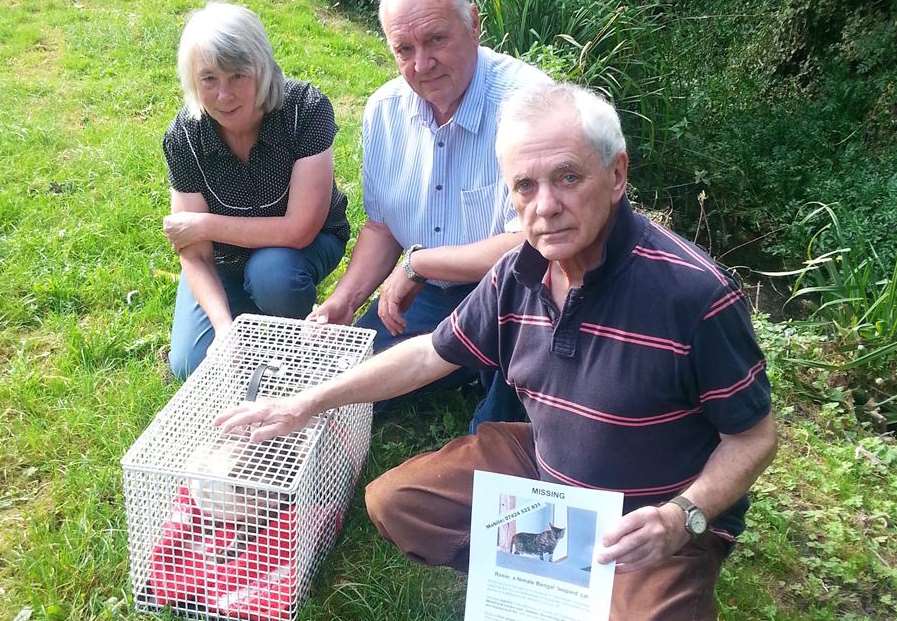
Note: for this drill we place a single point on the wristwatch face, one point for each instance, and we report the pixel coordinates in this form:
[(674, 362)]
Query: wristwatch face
[(697, 522)]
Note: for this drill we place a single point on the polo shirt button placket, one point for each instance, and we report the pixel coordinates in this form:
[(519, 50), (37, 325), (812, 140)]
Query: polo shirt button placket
[(566, 331), (563, 341)]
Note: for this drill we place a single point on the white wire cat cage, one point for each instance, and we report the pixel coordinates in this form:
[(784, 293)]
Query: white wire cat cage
[(221, 528)]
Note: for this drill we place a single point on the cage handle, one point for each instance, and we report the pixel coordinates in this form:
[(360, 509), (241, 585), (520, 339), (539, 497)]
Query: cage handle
[(255, 381)]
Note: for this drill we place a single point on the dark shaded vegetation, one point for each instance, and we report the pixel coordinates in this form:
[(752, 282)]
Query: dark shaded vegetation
[(776, 105), (775, 109)]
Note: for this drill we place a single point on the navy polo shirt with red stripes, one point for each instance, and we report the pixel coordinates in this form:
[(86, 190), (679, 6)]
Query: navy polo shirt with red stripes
[(629, 385)]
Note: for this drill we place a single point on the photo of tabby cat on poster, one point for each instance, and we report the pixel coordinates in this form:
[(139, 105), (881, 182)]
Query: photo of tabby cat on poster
[(552, 540)]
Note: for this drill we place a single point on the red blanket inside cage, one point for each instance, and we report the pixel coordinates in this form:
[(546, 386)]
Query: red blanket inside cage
[(190, 564)]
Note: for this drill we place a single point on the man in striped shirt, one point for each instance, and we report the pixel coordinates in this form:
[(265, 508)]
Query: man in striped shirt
[(632, 352), (432, 187)]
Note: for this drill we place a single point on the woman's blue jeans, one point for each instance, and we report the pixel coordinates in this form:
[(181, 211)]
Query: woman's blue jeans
[(275, 281)]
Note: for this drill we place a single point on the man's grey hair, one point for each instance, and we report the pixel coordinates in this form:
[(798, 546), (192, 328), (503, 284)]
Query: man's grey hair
[(598, 119), (462, 7), (231, 38)]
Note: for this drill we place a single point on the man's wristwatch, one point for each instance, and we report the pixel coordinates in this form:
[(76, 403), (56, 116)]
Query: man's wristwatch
[(406, 265), (695, 520)]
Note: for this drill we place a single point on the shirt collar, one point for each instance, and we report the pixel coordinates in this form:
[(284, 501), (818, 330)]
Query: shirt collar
[(627, 228), (469, 112), (418, 108), (209, 137), (270, 131)]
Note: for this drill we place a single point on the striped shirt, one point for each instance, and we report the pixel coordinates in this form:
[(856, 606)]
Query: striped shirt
[(630, 384), (440, 186)]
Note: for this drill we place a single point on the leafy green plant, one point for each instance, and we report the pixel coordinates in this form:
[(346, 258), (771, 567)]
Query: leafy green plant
[(558, 62), (848, 297), (846, 289), (601, 44)]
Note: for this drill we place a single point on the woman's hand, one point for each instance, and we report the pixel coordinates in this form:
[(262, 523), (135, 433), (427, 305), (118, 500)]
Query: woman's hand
[(276, 417), (185, 228)]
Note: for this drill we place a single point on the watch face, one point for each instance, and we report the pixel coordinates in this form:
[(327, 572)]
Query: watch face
[(697, 522)]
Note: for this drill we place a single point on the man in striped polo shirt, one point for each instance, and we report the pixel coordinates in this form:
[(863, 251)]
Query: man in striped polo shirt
[(632, 352), (432, 187)]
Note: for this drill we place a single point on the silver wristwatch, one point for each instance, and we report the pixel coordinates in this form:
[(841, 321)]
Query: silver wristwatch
[(695, 520), (406, 265)]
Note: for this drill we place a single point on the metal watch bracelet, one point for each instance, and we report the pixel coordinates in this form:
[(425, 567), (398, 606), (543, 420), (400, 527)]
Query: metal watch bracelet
[(406, 265)]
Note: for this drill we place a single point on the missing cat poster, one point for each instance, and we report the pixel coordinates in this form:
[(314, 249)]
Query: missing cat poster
[(532, 547)]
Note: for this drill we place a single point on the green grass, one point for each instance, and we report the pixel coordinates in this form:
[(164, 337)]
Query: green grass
[(87, 88)]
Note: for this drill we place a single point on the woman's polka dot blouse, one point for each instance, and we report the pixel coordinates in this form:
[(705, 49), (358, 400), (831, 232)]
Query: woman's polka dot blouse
[(200, 161)]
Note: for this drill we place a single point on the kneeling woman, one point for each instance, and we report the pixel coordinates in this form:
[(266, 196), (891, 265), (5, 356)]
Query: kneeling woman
[(255, 214)]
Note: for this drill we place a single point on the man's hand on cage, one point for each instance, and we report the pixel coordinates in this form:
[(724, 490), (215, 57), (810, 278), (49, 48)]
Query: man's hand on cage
[(274, 418)]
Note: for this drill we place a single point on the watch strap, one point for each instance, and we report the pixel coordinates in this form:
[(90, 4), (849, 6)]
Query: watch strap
[(691, 511), (683, 503)]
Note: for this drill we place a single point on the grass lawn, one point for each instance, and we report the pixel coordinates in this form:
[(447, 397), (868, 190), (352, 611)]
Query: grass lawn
[(87, 88)]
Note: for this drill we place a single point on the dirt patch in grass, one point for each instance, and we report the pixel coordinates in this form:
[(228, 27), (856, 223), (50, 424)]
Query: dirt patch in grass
[(348, 106), (42, 58), (23, 496)]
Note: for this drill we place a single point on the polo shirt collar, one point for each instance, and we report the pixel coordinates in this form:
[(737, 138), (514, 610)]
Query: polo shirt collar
[(627, 229), (529, 267), (469, 113)]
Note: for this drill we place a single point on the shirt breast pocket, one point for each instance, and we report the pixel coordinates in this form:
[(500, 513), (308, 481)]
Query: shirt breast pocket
[(482, 212)]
